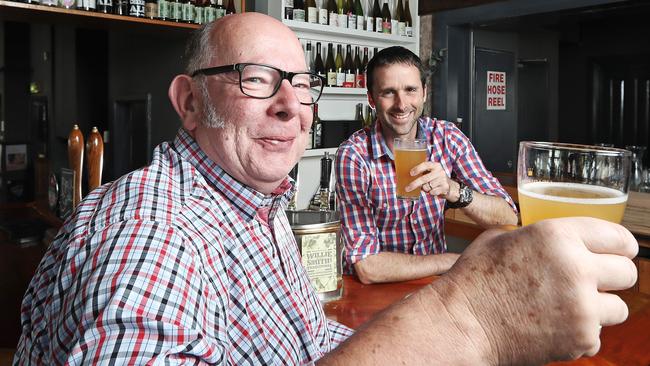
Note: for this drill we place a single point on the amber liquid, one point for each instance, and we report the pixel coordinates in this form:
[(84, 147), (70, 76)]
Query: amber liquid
[(545, 200), (405, 160)]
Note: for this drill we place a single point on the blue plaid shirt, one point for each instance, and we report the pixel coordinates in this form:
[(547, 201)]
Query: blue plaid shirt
[(175, 263), (373, 219)]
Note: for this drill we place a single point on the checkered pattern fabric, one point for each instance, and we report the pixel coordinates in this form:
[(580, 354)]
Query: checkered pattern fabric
[(176, 263), (373, 218)]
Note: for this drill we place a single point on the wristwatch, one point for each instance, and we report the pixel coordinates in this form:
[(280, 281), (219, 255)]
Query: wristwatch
[(464, 197)]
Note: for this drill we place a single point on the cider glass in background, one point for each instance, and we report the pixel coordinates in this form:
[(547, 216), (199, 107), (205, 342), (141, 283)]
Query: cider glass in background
[(408, 153), (561, 180)]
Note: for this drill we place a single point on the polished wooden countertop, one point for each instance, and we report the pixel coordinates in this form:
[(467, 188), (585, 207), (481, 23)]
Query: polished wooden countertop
[(624, 344)]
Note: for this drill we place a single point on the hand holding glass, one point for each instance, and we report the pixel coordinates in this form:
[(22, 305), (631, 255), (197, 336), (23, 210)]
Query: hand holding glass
[(408, 153), (562, 180)]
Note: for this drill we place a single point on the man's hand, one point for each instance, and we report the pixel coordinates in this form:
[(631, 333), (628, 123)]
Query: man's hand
[(434, 180), (538, 293)]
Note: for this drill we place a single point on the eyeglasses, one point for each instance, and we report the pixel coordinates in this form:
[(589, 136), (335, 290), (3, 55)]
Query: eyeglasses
[(263, 81)]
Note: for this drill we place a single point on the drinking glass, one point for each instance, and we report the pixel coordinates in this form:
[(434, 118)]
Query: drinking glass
[(408, 154), (561, 180)]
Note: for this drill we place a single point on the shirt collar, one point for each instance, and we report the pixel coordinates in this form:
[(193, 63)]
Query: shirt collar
[(243, 198), (378, 142)]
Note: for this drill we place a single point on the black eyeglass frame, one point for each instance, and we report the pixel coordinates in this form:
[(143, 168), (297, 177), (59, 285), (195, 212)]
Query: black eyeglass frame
[(284, 75)]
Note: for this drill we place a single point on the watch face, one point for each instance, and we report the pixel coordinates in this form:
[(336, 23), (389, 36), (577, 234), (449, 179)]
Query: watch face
[(52, 192)]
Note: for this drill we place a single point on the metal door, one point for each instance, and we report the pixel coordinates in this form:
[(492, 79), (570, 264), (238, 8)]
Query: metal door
[(495, 125)]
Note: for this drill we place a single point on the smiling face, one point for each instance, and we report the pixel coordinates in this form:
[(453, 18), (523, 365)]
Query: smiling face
[(261, 139), (398, 96)]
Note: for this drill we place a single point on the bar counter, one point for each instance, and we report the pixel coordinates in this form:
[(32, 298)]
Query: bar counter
[(626, 344)]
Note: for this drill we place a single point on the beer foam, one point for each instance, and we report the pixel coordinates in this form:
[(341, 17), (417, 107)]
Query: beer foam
[(614, 196)]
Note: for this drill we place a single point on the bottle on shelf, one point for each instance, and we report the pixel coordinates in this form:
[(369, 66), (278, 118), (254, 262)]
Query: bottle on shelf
[(359, 76), (66, 4), (319, 67), (358, 11), (348, 66), (105, 6), (309, 60), (358, 116), (230, 9), (90, 5), (333, 13), (370, 20), (121, 7), (175, 10), (340, 72), (376, 14), (386, 18), (369, 117), (35, 2), (325, 174), (317, 126), (150, 9), (208, 11), (220, 10), (401, 19), (288, 9), (393, 20), (299, 10), (408, 21), (311, 11), (187, 15), (322, 13), (343, 15), (136, 8), (330, 66), (364, 65), (352, 16), (293, 203)]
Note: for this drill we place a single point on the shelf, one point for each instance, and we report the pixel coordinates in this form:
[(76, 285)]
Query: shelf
[(309, 153), (344, 91), (326, 30), (15, 11)]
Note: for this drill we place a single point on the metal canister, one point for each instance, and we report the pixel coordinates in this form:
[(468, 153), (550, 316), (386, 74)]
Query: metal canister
[(318, 234)]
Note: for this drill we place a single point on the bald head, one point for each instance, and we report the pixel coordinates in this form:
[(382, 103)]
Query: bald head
[(238, 38)]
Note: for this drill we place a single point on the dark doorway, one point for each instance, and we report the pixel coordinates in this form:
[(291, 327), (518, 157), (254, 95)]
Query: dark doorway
[(533, 100)]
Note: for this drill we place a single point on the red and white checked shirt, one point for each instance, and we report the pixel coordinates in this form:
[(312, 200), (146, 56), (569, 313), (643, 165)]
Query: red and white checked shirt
[(176, 263), (373, 219)]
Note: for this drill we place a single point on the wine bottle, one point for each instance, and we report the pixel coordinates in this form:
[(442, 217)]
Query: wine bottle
[(368, 121), (308, 58), (319, 68), (385, 18), (348, 66), (208, 11), (330, 66), (359, 77), (187, 12), (364, 66), (401, 19), (288, 9), (359, 113), (352, 16), (91, 5), (343, 15), (340, 72), (318, 129), (299, 10), (376, 13), (325, 173), (370, 20), (358, 11), (333, 13), (311, 11), (230, 9), (322, 14), (176, 10), (408, 20)]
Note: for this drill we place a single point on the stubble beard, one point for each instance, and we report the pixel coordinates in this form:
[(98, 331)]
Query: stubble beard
[(211, 119)]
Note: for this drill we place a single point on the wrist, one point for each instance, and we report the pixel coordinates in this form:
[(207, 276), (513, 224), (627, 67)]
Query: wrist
[(453, 195)]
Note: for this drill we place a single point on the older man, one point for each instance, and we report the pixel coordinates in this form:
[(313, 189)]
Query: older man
[(190, 260)]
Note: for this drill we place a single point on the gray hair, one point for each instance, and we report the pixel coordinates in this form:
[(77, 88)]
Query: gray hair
[(199, 50)]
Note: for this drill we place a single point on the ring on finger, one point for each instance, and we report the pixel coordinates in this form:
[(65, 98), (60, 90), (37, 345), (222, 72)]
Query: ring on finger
[(429, 186)]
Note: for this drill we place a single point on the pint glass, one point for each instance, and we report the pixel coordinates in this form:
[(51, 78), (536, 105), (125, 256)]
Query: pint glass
[(408, 154), (561, 180)]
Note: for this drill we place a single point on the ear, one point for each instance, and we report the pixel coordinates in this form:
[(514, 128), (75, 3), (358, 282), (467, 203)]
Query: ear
[(185, 100)]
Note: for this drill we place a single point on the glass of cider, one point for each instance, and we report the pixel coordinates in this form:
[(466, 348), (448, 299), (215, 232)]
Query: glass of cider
[(562, 180), (408, 154)]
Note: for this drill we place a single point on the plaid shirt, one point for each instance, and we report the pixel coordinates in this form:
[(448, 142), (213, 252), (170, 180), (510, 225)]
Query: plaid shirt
[(373, 219), (176, 263)]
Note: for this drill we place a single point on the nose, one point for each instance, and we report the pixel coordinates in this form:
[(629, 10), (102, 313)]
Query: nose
[(286, 105), (400, 101)]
